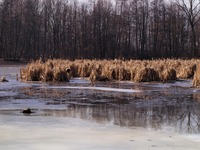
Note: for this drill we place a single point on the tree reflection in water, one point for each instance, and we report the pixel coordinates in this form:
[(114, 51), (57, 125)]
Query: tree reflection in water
[(183, 118)]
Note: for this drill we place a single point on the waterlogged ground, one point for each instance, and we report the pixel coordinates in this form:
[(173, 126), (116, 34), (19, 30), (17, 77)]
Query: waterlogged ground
[(85, 115)]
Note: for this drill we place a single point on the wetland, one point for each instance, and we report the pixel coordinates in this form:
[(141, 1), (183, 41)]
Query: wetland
[(81, 114)]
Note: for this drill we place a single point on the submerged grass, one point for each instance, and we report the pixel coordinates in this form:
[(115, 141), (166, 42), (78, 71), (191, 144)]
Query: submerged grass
[(107, 70)]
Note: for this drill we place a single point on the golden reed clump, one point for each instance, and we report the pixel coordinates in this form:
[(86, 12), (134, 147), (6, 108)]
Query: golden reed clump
[(108, 70), (196, 79), (52, 70)]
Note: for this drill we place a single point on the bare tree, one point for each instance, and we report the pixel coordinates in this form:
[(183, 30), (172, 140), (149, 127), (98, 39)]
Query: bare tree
[(99, 29), (192, 10)]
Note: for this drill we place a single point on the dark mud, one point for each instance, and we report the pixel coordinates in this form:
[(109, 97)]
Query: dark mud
[(160, 106)]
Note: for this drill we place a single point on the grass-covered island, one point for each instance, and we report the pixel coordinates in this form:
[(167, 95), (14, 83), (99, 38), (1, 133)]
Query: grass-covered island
[(108, 70)]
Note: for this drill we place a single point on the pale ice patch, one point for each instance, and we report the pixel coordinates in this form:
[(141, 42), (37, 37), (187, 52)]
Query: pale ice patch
[(7, 93), (157, 85), (194, 137), (79, 80), (96, 88), (178, 83), (183, 83)]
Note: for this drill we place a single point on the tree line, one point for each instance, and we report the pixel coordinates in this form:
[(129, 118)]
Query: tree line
[(99, 29)]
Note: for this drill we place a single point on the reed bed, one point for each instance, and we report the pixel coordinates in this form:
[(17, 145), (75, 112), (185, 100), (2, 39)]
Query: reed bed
[(107, 70)]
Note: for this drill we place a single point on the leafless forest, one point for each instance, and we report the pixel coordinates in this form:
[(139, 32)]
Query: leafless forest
[(99, 29)]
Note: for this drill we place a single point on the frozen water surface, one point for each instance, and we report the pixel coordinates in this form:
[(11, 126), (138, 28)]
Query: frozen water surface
[(38, 133), (104, 115)]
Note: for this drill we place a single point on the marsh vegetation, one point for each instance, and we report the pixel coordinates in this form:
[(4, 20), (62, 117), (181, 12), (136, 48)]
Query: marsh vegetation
[(113, 70)]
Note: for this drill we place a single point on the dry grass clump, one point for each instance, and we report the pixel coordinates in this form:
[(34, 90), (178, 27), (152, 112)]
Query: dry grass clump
[(49, 71), (108, 70), (146, 74), (168, 74), (94, 76), (33, 72), (196, 79), (187, 71)]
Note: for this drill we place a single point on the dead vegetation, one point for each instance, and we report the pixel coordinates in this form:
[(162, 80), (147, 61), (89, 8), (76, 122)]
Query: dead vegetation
[(52, 70), (196, 79), (108, 70)]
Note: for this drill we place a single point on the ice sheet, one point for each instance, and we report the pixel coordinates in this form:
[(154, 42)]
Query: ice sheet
[(39, 133)]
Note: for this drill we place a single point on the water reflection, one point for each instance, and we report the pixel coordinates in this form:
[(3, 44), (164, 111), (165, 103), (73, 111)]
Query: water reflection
[(182, 118), (180, 113)]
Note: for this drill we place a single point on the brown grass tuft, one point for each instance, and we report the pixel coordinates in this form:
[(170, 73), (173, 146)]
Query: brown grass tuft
[(146, 75), (46, 72), (168, 74), (196, 79)]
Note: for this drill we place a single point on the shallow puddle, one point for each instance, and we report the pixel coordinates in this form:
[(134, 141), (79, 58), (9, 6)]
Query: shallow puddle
[(113, 115)]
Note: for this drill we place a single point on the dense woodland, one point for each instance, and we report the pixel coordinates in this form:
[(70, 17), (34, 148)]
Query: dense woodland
[(99, 29)]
